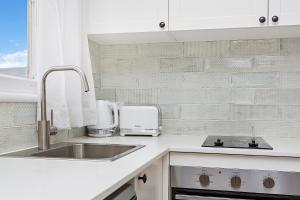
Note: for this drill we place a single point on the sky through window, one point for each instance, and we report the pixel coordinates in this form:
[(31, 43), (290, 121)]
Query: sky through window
[(13, 37)]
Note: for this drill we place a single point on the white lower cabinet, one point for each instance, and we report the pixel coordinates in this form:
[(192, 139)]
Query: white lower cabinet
[(149, 183)]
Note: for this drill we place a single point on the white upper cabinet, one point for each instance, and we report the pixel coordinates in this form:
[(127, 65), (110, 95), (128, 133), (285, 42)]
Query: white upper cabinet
[(216, 14), (284, 12), (148, 21), (126, 16)]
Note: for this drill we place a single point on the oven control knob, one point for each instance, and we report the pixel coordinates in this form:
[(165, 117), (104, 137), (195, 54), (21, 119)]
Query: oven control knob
[(204, 180), (236, 182), (269, 183)]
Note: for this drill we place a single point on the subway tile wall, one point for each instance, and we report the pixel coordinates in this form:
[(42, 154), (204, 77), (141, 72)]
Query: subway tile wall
[(242, 87), (18, 127)]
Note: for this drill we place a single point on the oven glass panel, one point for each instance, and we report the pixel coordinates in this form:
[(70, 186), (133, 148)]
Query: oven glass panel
[(189, 197), (196, 194)]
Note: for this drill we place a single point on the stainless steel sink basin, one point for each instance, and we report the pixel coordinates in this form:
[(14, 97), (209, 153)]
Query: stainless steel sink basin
[(81, 151)]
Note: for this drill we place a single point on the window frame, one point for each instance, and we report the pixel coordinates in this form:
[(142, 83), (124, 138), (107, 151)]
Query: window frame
[(18, 89)]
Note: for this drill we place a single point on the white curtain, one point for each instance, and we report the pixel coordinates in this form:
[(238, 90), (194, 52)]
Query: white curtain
[(59, 38)]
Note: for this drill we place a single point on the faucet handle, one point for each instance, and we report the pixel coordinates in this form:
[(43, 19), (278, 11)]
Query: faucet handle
[(53, 129), (51, 116)]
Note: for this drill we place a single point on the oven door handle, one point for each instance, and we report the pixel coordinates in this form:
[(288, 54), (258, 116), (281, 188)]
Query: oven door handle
[(192, 197)]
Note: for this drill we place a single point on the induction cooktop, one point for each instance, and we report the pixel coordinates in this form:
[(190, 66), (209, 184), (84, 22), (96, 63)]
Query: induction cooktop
[(243, 142)]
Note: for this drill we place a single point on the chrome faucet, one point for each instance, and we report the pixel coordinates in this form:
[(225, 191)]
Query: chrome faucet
[(44, 128)]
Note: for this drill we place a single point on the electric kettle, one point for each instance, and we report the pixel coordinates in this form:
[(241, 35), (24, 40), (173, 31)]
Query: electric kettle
[(107, 119)]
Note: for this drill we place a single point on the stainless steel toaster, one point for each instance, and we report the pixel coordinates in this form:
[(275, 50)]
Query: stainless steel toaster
[(140, 120)]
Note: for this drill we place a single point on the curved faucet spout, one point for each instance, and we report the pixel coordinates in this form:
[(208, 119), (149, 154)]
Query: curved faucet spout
[(44, 124), (43, 85)]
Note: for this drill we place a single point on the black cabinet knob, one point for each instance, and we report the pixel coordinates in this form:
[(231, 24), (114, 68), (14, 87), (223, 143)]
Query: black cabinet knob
[(275, 18), (262, 19), (162, 24), (143, 178)]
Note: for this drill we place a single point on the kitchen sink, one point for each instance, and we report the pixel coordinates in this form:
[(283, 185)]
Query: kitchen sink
[(80, 151)]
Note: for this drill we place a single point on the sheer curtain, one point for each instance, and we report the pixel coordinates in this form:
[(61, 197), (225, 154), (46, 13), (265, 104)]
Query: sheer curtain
[(59, 38)]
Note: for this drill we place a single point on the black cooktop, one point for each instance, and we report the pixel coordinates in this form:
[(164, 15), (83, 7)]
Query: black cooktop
[(236, 142)]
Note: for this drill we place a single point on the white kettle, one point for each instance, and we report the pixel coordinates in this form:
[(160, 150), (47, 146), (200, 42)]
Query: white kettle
[(107, 119)]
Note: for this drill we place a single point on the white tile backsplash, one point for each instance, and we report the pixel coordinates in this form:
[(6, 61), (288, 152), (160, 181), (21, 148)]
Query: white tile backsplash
[(239, 87), (254, 112), (255, 47), (205, 111), (290, 46), (206, 49), (289, 63), (173, 65), (137, 96), (229, 64), (18, 127), (170, 111), (255, 80), (160, 50)]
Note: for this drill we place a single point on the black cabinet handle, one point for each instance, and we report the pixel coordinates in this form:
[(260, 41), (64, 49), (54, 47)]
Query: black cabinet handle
[(262, 19), (143, 178), (275, 18), (162, 24)]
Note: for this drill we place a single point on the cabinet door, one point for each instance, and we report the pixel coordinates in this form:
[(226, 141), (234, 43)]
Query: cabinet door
[(214, 14), (286, 11), (124, 16), (151, 189)]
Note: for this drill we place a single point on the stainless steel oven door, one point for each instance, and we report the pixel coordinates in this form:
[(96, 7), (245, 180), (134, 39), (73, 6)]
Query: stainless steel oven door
[(192, 197)]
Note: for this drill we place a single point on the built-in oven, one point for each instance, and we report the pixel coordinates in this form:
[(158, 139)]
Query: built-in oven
[(199, 183)]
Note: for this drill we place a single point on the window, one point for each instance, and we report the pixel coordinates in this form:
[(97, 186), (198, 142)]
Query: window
[(14, 38), (15, 85)]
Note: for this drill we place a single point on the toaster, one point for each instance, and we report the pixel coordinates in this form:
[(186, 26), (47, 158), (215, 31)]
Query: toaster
[(140, 120)]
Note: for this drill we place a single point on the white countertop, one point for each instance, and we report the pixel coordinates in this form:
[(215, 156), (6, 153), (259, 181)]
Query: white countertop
[(31, 178)]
